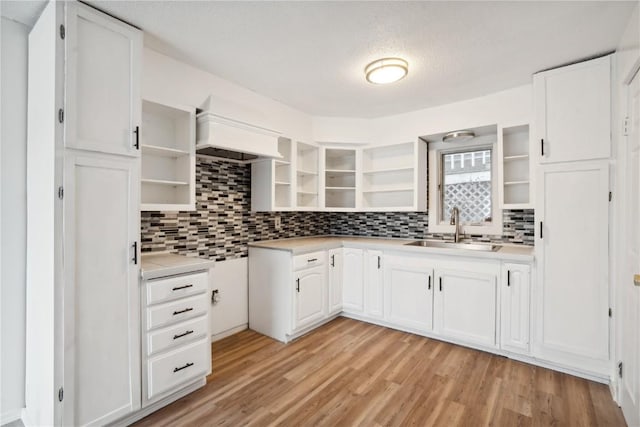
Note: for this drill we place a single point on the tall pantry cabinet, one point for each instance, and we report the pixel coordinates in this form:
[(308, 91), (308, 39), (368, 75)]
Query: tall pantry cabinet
[(572, 130), (83, 315)]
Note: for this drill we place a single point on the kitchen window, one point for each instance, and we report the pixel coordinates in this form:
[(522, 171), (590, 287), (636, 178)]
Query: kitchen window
[(464, 175)]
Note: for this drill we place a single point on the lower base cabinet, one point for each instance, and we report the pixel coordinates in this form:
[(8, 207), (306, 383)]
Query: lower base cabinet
[(353, 281), (408, 299), (334, 280), (309, 297), (515, 305), (373, 284), (465, 305)]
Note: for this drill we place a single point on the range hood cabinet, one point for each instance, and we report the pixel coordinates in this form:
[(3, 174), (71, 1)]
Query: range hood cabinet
[(232, 139)]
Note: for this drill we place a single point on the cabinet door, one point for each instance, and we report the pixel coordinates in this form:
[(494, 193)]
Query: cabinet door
[(515, 308), (353, 283), (373, 284), (408, 299), (573, 112), (101, 295), (335, 281), (465, 306), (309, 298), (103, 59), (572, 240)]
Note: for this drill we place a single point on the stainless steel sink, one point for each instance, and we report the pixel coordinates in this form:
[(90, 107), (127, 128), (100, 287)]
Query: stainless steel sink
[(487, 247)]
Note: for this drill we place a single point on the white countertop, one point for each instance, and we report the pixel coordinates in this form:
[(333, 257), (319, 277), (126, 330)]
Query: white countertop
[(160, 264), (511, 252)]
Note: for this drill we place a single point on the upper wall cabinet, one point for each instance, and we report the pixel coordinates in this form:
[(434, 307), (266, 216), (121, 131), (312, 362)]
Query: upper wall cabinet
[(394, 177), (272, 182), (572, 112), (168, 157), (102, 106), (516, 174), (339, 178)]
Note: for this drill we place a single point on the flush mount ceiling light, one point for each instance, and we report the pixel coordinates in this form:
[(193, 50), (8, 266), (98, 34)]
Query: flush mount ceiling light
[(457, 136), (386, 70)]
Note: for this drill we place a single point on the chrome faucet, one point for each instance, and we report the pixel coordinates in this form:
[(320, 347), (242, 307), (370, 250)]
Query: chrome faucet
[(455, 220)]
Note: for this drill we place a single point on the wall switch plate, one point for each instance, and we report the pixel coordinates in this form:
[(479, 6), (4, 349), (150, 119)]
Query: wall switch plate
[(277, 222)]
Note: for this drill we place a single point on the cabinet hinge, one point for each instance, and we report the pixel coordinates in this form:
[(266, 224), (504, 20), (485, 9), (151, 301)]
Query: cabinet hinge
[(610, 312), (60, 394), (62, 32), (625, 126), (620, 369), (610, 195), (60, 192), (61, 115)]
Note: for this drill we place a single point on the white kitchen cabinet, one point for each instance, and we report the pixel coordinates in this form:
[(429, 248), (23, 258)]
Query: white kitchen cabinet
[(309, 297), (572, 107), (335, 278), (273, 180), (339, 166), (515, 175), (176, 349), (167, 140), (514, 320), (287, 293), (465, 304), (353, 281), (102, 84), (373, 284), (307, 176), (408, 296), (394, 177), (572, 241), (83, 341)]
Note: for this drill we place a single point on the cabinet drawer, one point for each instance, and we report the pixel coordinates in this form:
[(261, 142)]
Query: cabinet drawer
[(176, 335), (308, 260), (168, 371), (176, 311), (174, 287)]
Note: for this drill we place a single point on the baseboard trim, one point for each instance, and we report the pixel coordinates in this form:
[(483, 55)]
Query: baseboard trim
[(229, 332), (12, 415)]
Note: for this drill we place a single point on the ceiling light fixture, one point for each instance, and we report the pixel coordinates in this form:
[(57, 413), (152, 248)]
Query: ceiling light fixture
[(459, 135), (386, 70)]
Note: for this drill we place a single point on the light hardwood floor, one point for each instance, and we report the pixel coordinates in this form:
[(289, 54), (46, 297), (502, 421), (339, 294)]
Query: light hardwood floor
[(353, 373)]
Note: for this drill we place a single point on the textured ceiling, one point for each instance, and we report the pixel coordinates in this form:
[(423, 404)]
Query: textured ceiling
[(311, 55)]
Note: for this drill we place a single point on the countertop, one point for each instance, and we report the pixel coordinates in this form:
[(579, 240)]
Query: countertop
[(511, 252), (162, 264)]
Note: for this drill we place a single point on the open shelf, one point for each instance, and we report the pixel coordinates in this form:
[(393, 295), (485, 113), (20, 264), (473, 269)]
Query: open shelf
[(168, 156), (307, 180), (516, 188)]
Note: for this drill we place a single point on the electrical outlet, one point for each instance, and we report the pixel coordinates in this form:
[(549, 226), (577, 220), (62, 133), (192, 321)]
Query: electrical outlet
[(277, 223)]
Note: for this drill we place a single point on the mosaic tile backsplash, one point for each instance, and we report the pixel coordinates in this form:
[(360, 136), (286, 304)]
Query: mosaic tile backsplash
[(222, 224)]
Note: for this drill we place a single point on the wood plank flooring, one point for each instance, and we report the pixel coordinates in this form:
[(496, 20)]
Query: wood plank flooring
[(353, 373)]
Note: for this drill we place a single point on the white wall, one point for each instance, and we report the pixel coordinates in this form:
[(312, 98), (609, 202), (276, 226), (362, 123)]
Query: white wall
[(13, 171), (513, 106), (166, 79)]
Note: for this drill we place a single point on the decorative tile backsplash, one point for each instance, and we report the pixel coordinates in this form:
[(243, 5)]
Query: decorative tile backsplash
[(222, 224)]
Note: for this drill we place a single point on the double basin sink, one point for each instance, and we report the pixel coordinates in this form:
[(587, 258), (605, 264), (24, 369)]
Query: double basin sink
[(483, 247)]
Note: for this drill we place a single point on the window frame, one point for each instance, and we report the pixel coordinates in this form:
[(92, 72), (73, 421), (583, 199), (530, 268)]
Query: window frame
[(436, 150)]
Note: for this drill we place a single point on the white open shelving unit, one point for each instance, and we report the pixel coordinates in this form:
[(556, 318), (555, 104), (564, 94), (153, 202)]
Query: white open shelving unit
[(340, 178), (168, 157), (394, 177), (283, 183), (307, 176), (516, 168)]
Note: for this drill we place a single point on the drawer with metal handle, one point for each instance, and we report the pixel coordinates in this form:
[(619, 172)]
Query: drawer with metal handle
[(170, 288), (176, 335), (309, 260), (179, 366), (176, 311)]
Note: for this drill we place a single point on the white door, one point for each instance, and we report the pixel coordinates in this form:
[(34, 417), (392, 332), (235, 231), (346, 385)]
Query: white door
[(515, 307), (408, 299), (630, 294), (465, 306), (572, 241), (353, 281), (102, 311), (309, 291), (572, 112), (335, 281), (102, 100), (373, 287)]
